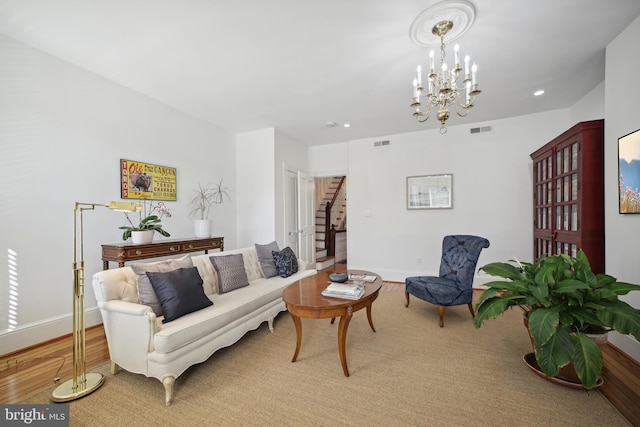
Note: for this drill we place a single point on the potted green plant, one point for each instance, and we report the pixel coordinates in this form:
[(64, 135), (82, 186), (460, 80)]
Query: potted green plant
[(563, 301), (204, 198), (149, 222)]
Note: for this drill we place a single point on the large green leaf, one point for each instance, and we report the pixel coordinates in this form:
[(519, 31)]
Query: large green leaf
[(516, 286), (555, 353), (489, 293), (540, 292), (489, 309), (543, 323), (620, 316), (502, 269), (569, 286), (622, 288), (587, 359)]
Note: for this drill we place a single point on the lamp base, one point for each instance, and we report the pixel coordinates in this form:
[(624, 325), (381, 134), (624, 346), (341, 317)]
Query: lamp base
[(64, 392)]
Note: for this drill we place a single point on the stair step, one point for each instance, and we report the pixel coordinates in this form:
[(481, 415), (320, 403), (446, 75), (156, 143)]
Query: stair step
[(325, 262)]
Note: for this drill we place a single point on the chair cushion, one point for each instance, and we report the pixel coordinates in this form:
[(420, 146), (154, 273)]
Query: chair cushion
[(438, 290), (179, 292)]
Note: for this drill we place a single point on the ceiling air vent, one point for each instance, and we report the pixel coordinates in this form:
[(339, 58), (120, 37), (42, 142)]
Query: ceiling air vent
[(380, 143), (481, 129)]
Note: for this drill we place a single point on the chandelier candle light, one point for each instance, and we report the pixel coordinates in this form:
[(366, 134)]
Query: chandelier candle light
[(443, 89)]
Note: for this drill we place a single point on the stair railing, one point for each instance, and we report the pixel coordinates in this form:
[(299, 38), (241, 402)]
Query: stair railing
[(329, 243)]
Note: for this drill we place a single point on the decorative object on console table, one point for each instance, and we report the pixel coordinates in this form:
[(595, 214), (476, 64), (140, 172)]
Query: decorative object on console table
[(123, 252), (200, 205), (82, 383), (148, 221), (568, 194), (141, 236)]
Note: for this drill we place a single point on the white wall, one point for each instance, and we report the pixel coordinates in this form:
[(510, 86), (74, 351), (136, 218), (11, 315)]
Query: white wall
[(491, 192), (63, 131), (590, 107), (621, 105), (291, 155), (329, 160), (255, 165)]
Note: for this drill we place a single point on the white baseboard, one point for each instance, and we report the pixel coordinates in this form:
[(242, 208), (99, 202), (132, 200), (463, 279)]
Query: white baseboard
[(37, 332)]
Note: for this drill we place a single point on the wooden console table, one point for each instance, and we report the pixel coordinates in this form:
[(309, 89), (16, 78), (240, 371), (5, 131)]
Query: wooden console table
[(123, 252)]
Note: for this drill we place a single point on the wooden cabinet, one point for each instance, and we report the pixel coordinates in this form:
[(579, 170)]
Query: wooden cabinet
[(568, 194), (123, 252)]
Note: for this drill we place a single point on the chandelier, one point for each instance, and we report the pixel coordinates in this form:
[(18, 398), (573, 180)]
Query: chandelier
[(443, 91)]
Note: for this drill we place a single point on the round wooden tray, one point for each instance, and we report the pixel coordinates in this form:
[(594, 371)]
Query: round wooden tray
[(532, 363)]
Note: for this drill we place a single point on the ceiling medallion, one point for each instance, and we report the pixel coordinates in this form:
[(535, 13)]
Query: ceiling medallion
[(459, 12)]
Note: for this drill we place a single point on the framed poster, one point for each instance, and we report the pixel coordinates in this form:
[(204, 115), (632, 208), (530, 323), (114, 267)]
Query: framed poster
[(140, 180), (430, 192), (629, 173)]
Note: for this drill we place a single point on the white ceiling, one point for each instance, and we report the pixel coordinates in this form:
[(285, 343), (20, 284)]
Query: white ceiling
[(296, 64)]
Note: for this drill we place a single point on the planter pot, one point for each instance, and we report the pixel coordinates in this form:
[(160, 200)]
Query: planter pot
[(567, 374), (202, 228), (144, 236)]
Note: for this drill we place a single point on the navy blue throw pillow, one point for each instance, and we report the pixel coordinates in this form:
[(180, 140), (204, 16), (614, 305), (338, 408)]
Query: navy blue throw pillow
[(286, 262), (179, 291)]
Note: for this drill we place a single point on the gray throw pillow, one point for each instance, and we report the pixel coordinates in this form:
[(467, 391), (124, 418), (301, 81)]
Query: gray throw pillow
[(146, 294), (266, 260), (231, 272), (179, 291)]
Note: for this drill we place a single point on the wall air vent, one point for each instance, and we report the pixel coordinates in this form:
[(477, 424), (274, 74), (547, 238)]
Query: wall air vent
[(380, 143), (481, 129)]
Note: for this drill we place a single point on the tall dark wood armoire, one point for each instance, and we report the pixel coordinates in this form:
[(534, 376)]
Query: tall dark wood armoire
[(568, 194)]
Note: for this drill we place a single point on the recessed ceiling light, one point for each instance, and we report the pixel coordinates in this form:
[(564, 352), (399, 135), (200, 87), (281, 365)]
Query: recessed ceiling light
[(331, 124), (347, 125), (538, 93)]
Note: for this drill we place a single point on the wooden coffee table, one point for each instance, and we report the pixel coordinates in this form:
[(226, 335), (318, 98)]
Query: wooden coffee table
[(304, 299)]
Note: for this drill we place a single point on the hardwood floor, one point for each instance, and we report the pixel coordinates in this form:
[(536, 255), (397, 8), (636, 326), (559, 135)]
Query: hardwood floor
[(26, 372), (29, 371)]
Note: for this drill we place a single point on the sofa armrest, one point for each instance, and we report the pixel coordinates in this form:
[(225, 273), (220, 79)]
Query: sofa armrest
[(130, 329)]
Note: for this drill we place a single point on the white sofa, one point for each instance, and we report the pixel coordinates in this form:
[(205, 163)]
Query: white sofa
[(139, 342)]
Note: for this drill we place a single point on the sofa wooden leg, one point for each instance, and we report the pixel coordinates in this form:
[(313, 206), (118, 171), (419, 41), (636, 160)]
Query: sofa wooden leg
[(168, 383), (114, 368), (441, 314), (271, 324)]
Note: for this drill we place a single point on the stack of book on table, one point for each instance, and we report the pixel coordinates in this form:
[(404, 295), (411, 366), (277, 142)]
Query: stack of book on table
[(344, 290), (365, 277)]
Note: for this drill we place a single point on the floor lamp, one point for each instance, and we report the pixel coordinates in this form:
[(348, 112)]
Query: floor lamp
[(82, 383)]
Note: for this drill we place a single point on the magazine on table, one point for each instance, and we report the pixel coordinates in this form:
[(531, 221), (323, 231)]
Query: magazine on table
[(366, 278)]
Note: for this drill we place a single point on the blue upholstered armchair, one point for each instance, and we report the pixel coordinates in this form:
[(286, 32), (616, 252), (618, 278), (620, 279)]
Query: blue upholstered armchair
[(454, 285)]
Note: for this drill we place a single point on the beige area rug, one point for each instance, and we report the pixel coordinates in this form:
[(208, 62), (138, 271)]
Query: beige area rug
[(410, 372)]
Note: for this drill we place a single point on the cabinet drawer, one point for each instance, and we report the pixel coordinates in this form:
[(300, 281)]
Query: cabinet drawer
[(150, 251), (202, 245)]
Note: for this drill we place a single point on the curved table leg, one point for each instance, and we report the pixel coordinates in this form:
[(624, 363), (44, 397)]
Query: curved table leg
[(298, 325), (342, 340), (369, 318)]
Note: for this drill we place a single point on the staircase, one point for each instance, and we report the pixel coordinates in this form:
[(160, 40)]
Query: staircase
[(338, 216)]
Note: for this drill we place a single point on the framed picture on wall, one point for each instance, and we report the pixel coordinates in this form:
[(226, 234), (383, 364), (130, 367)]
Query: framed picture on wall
[(629, 173), (430, 191)]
